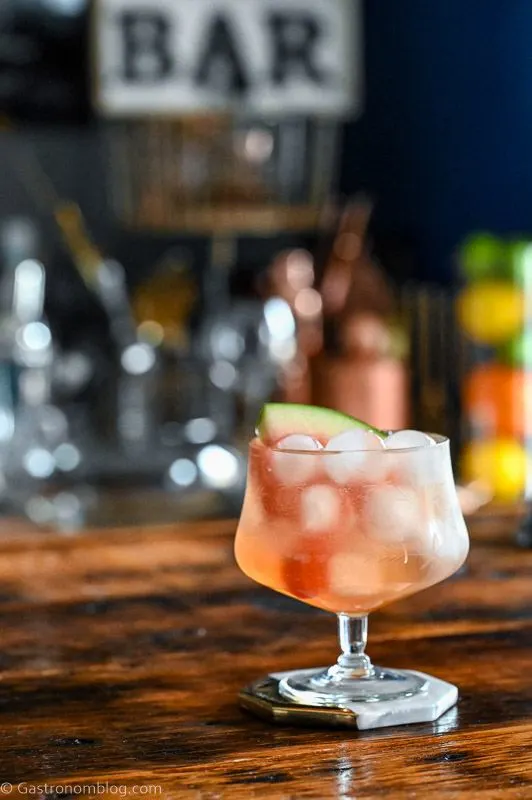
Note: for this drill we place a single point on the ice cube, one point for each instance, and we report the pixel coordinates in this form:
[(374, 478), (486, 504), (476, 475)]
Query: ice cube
[(394, 514), (298, 441), (439, 500), (404, 440), (450, 539), (419, 466), (252, 509), (351, 456), (293, 468), (355, 440), (320, 509), (354, 574), (450, 542)]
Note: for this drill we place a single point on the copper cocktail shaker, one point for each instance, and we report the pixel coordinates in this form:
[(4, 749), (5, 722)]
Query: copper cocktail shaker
[(362, 370)]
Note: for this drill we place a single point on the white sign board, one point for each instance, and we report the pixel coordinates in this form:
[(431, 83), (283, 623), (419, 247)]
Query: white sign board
[(264, 57)]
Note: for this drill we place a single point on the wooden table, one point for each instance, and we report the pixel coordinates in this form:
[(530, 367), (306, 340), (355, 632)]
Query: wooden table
[(123, 651)]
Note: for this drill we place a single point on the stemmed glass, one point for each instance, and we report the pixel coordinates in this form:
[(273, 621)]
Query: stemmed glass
[(348, 532)]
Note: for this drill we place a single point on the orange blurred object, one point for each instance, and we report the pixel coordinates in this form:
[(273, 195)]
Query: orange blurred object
[(291, 276), (372, 389), (366, 334), (295, 381), (166, 300), (494, 398), (347, 250)]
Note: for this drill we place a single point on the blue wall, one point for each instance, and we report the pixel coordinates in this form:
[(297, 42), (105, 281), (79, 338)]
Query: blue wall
[(445, 142)]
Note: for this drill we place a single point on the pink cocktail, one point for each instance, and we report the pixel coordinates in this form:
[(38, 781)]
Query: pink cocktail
[(347, 531)]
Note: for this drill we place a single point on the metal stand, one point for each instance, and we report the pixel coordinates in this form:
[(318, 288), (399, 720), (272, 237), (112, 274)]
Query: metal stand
[(524, 532)]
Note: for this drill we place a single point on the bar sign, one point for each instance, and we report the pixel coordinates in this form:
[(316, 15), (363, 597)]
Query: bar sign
[(264, 57)]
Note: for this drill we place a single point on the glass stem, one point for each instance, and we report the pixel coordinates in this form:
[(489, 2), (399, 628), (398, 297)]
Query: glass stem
[(353, 634)]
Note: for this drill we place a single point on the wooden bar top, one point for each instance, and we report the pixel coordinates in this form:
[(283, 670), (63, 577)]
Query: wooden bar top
[(123, 652)]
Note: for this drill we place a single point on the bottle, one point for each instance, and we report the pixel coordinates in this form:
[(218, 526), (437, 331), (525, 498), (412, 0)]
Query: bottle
[(292, 278), (363, 370), (19, 246)]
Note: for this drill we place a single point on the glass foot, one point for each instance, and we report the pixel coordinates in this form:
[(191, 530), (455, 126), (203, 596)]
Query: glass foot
[(332, 687)]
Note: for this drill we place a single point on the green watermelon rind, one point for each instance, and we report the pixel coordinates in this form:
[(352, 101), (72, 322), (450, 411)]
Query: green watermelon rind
[(278, 420)]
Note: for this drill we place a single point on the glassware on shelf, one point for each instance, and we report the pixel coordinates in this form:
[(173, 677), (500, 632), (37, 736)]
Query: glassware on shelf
[(349, 531), (21, 301), (217, 172), (292, 278)]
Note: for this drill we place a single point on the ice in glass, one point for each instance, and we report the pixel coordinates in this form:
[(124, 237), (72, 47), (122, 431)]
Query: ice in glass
[(350, 531)]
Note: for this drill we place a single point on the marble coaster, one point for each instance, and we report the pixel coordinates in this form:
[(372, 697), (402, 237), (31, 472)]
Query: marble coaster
[(263, 699)]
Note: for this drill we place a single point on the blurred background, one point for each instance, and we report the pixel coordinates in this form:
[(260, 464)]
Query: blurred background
[(205, 204)]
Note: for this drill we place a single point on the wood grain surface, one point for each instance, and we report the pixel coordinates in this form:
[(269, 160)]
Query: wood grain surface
[(123, 652)]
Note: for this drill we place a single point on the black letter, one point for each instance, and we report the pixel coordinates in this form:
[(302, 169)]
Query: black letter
[(146, 55), (294, 41), (220, 63)]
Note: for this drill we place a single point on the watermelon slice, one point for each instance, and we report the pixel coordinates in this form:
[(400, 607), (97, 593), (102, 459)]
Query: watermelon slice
[(307, 577), (278, 420)]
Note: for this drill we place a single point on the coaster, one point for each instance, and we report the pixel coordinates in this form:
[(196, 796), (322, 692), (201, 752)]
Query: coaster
[(263, 699)]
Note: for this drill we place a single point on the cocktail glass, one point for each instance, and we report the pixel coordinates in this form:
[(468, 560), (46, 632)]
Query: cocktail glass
[(348, 532)]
